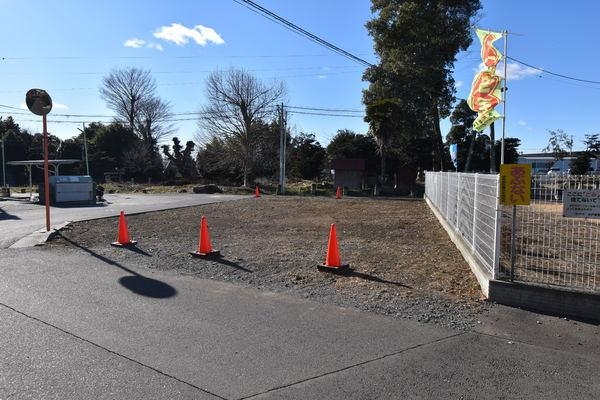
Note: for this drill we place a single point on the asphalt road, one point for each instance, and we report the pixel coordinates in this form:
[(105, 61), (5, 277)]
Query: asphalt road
[(20, 218), (78, 325), (75, 324)]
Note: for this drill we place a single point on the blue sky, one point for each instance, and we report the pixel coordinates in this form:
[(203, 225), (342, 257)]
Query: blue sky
[(66, 47)]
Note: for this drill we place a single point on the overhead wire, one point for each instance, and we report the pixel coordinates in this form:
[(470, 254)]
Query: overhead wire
[(326, 114), (162, 57), (302, 32), (323, 109), (553, 73), (291, 108)]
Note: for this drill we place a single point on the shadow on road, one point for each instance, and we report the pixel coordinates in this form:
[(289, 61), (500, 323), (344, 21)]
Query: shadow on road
[(135, 249), (228, 263), (4, 215), (137, 283), (376, 279)]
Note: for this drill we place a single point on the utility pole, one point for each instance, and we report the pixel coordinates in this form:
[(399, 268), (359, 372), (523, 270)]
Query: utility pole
[(504, 88), (87, 166), (3, 162), (282, 143)]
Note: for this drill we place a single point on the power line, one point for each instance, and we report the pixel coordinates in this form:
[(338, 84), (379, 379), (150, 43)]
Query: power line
[(324, 109), (326, 114), (197, 113), (302, 32), (553, 73), (189, 72), (162, 57)]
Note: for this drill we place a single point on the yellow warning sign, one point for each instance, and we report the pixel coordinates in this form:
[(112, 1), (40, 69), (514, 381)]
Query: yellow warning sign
[(515, 184)]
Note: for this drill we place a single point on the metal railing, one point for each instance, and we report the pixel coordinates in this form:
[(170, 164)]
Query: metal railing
[(469, 203), (552, 249), (549, 248)]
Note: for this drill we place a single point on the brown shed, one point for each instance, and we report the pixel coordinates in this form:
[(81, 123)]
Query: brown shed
[(349, 172)]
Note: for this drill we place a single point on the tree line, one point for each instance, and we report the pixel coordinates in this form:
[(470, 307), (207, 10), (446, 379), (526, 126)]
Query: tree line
[(114, 150)]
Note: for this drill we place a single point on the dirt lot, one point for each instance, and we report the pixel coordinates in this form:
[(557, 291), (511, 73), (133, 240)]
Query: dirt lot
[(404, 264)]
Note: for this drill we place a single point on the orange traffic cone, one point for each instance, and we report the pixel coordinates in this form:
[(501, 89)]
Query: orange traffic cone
[(204, 247), (256, 192), (123, 238), (332, 260), (338, 193)]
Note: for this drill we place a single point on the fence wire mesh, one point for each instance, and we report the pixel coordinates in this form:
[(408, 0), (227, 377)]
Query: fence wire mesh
[(549, 248), (552, 249), (468, 202)]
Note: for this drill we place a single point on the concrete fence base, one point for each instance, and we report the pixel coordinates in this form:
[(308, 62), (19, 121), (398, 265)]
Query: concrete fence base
[(549, 300)]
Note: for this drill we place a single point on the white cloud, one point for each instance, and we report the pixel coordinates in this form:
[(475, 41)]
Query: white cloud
[(139, 43), (156, 46), (522, 123), (23, 106), (181, 35), (134, 42), (514, 71), (326, 68), (321, 76), (458, 84)]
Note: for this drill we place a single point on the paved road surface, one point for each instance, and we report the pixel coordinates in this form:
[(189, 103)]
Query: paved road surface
[(74, 324), (78, 325), (19, 217)]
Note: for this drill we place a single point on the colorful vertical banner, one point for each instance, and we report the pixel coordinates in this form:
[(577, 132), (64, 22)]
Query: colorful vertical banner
[(489, 54), (486, 92), (515, 184), (454, 155)]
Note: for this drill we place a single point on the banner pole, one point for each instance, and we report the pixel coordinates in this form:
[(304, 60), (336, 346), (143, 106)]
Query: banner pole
[(505, 34)]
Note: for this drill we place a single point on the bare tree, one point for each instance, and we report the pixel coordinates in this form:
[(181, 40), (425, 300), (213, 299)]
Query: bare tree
[(125, 90), (131, 94), (237, 102), (152, 121)]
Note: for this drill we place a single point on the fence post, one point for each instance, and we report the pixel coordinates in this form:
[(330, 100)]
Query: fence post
[(448, 196), (498, 231), (457, 201), (474, 210)]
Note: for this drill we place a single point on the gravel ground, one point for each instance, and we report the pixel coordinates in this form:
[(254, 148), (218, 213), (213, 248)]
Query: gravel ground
[(404, 265)]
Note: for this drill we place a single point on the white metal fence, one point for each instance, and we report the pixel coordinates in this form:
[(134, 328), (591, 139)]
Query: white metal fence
[(468, 202), (552, 249), (549, 248)]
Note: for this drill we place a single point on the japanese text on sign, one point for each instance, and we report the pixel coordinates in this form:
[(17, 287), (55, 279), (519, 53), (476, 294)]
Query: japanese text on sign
[(579, 203), (515, 184)]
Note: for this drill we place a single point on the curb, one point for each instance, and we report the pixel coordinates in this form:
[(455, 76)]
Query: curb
[(38, 238)]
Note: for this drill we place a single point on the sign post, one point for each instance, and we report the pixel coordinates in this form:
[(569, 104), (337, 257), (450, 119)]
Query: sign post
[(515, 189), (39, 102)]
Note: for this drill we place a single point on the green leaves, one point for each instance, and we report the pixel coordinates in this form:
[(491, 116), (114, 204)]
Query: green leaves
[(412, 86)]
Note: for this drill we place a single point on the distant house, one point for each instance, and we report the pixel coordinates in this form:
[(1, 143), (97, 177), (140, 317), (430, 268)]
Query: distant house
[(349, 172), (541, 163)]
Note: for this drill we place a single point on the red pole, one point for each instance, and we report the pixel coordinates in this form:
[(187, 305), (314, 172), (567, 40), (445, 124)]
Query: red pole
[(46, 180)]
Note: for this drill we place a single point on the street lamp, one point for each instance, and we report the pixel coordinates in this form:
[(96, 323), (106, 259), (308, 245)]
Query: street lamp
[(39, 102)]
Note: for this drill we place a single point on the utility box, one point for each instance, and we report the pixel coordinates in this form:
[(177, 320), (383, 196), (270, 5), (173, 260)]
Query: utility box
[(70, 189)]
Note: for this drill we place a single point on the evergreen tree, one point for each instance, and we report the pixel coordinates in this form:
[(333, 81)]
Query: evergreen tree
[(417, 43)]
